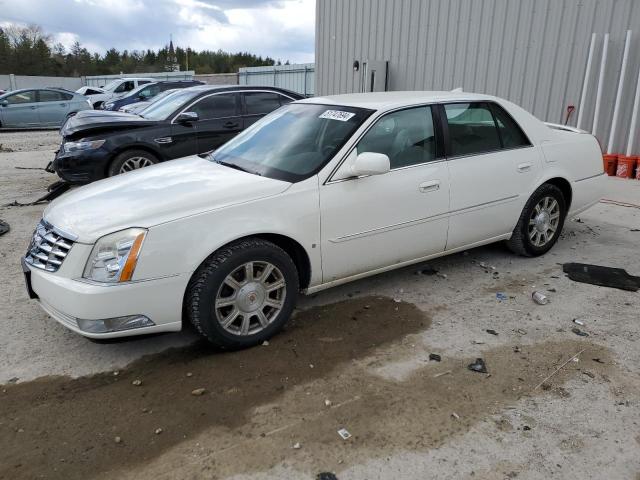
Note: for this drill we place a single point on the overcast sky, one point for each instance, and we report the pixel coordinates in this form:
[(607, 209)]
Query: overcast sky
[(281, 29)]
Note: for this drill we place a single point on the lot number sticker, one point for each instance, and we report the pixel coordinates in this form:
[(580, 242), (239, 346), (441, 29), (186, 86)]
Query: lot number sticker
[(337, 115)]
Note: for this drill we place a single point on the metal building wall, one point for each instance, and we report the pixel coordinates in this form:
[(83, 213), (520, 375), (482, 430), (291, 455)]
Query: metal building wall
[(298, 77), (532, 52)]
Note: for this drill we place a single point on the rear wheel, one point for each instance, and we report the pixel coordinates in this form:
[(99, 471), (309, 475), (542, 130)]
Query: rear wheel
[(131, 160), (242, 294), (540, 223)]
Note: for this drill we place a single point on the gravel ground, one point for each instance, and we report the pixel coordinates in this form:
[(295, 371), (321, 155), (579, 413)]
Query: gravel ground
[(363, 347)]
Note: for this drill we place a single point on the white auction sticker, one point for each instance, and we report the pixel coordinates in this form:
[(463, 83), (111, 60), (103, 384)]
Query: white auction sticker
[(337, 115)]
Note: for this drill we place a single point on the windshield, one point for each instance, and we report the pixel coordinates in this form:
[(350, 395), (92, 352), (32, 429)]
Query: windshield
[(162, 109), (293, 142)]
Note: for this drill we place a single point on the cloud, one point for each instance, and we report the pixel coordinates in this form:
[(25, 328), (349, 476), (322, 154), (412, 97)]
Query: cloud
[(279, 29)]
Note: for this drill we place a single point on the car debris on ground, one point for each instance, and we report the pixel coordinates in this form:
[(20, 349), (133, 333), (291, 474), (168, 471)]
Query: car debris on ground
[(478, 366), (435, 357), (602, 276), (4, 227), (344, 433), (579, 332)]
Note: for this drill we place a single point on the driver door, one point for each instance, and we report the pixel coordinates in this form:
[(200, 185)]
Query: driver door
[(377, 221)]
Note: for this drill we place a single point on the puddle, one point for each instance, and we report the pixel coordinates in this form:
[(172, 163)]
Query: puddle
[(56, 427)]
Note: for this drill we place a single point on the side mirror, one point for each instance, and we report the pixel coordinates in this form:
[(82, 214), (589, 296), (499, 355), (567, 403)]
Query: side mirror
[(370, 163), (4, 103), (187, 117)]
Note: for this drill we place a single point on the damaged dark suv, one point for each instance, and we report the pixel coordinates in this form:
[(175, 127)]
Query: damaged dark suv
[(98, 144)]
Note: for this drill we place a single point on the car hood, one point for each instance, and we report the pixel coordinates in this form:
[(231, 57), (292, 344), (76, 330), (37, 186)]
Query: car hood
[(92, 120), (155, 195)]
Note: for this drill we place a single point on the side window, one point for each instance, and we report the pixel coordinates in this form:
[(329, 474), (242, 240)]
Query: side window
[(92, 92), (216, 106), (510, 132), (50, 96), (125, 87), (22, 97), (407, 137), (260, 103), (471, 128), (150, 91)]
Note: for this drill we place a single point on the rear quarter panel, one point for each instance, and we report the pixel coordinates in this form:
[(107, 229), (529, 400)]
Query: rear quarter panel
[(576, 157)]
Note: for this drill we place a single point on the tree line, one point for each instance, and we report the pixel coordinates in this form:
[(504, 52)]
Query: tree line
[(31, 51)]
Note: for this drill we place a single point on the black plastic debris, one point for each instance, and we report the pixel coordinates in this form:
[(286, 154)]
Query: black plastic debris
[(326, 476), (478, 366), (435, 357), (492, 332), (4, 227), (579, 332), (54, 191), (602, 276), (597, 360)]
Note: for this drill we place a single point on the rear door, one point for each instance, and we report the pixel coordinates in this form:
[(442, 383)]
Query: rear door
[(489, 164), (219, 120), (53, 106), (21, 110), (257, 104)]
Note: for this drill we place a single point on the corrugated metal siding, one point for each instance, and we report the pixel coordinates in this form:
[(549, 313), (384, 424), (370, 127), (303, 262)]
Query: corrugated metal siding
[(298, 77), (532, 52)]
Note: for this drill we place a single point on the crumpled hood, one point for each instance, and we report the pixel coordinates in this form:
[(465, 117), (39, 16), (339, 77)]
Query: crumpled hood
[(155, 195), (90, 120)]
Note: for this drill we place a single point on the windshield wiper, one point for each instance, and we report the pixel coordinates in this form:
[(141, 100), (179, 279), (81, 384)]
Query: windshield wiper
[(233, 165)]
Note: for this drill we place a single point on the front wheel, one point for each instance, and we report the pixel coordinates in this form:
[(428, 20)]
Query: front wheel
[(242, 294), (540, 223), (131, 160)]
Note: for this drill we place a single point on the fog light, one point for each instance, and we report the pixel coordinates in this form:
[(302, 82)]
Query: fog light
[(114, 324)]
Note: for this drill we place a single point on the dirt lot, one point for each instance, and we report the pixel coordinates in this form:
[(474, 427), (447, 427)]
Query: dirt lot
[(354, 357)]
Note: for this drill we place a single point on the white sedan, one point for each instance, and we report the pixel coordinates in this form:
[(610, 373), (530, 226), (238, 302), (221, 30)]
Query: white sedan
[(320, 192)]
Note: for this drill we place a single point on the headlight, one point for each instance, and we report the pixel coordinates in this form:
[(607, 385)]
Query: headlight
[(82, 145), (114, 257)]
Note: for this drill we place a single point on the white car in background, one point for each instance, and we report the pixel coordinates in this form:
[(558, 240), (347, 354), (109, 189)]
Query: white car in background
[(114, 89), (320, 192)]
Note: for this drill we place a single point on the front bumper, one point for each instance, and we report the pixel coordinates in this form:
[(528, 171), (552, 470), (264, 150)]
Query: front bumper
[(83, 166), (68, 301)]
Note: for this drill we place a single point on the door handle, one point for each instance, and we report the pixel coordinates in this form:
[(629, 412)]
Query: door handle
[(430, 186), (33, 107), (524, 167), (230, 125), (63, 104)]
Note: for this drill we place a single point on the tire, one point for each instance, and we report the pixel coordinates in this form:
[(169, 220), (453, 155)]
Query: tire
[(208, 291), (527, 238), (130, 160)]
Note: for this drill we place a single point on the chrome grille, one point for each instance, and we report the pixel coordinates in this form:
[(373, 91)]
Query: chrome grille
[(48, 248)]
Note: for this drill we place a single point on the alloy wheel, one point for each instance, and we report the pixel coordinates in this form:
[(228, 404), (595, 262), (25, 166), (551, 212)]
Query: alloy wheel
[(134, 163), (250, 298), (544, 221)]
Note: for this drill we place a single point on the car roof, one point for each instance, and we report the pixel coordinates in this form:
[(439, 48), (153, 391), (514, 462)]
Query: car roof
[(390, 100), (212, 88)]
